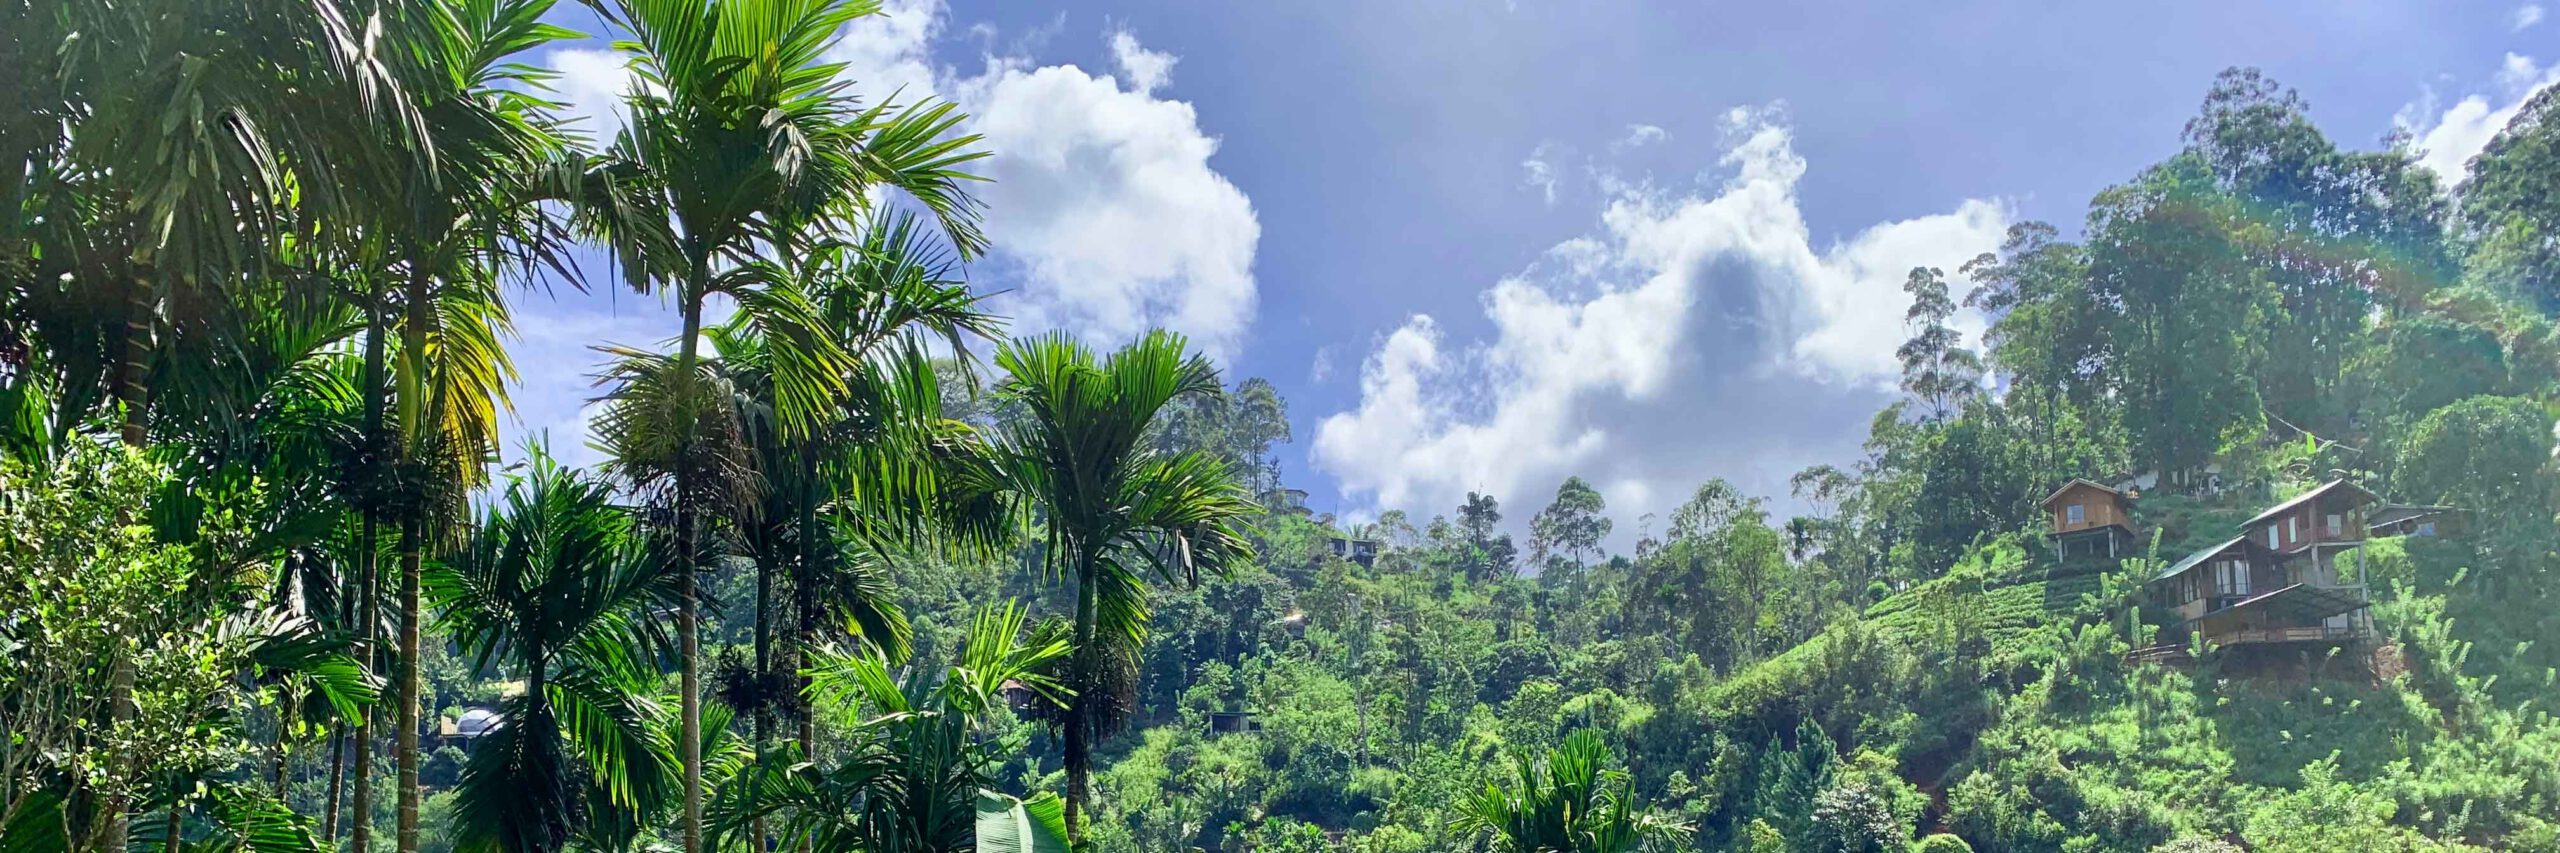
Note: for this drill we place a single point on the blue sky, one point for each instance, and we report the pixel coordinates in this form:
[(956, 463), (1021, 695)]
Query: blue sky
[(1485, 245)]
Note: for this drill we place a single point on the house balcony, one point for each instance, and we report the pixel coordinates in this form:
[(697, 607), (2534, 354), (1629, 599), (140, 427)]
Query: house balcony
[(2301, 634), (2300, 613)]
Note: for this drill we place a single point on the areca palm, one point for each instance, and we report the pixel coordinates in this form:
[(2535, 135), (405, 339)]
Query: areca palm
[(915, 776), (868, 467), (739, 131), (1117, 509), (168, 150), (557, 587), (1569, 801), (455, 217)]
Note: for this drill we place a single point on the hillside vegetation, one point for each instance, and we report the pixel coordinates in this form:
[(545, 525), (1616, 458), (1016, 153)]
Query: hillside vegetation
[(860, 572)]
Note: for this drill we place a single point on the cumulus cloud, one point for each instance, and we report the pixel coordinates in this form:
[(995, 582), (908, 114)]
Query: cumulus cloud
[(555, 357), (590, 88), (1106, 214), (1148, 70), (888, 54), (2525, 16), (1607, 355), (2450, 137)]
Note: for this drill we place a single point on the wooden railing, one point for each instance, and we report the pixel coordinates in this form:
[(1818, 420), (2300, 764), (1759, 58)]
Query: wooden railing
[(2314, 634)]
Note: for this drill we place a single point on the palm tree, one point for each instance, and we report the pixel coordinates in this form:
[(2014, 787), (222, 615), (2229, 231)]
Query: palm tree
[(1116, 508), (1569, 802), (555, 586), (740, 131), (164, 154), (455, 215), (868, 467), (915, 776)]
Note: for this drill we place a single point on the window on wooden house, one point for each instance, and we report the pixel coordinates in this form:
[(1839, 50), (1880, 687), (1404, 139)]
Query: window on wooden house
[(2231, 577), (2075, 514), (2273, 537), (2337, 524), (2293, 528)]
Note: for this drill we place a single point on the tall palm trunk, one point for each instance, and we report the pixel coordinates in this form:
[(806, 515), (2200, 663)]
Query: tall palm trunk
[(413, 411), (688, 609), (1080, 706), (411, 687), (804, 602), (133, 374), (368, 560), (337, 779)]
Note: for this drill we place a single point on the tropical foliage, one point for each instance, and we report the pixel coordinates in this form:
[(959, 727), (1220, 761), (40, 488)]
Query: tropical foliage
[(256, 286)]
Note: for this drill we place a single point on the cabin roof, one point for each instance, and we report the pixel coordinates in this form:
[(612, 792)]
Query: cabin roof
[(2299, 604), (2314, 494), (2076, 482), (2394, 513), (2198, 558)]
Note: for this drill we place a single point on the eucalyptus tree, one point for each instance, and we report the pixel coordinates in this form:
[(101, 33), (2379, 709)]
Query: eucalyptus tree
[(555, 586), (739, 129), (1116, 508), (917, 771)]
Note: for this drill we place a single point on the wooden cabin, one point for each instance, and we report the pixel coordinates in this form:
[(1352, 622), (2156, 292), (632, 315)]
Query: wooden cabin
[(1233, 722), (2289, 577), (2418, 520), (2090, 520), (1362, 551), (1018, 696)]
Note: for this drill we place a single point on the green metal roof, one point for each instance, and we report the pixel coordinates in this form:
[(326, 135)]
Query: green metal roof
[(2196, 558), (2367, 496)]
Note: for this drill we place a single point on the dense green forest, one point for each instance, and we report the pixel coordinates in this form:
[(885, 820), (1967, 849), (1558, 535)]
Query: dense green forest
[(863, 572)]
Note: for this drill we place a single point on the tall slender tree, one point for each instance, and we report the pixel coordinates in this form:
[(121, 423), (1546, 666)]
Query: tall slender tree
[(740, 125), (1116, 509), (455, 217), (556, 586)]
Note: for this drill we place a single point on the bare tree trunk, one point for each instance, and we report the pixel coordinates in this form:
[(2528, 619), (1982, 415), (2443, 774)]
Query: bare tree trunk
[(411, 551), (133, 374), (360, 811), (369, 561), (804, 597), (284, 740), (1080, 709), (764, 664), (131, 387), (177, 825), (337, 780), (688, 608)]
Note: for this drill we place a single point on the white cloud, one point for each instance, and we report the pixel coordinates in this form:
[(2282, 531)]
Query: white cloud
[(1612, 334), (1148, 70), (1320, 369), (2525, 16), (2451, 137), (1102, 197), (1640, 135), (888, 54), (1539, 170), (590, 88), (555, 357)]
